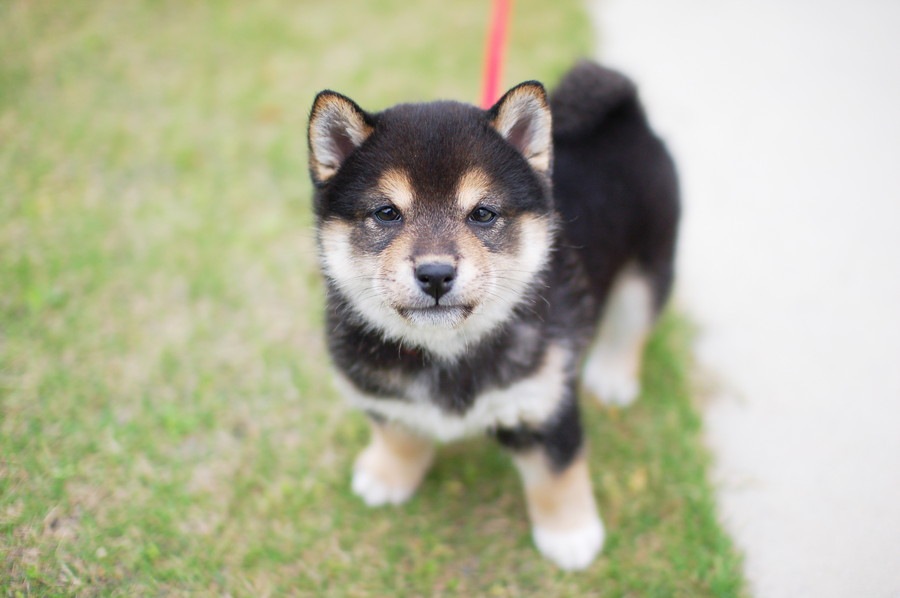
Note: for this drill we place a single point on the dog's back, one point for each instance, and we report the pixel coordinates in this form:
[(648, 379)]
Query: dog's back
[(617, 193), (614, 182)]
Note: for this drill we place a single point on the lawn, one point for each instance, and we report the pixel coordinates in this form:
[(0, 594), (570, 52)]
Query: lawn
[(167, 423)]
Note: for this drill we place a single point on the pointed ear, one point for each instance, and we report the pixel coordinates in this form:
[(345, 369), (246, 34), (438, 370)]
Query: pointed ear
[(522, 117), (337, 126)]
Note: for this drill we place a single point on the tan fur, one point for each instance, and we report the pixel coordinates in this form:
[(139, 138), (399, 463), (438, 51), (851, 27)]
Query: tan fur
[(473, 186), (396, 460), (330, 113), (396, 261), (474, 261), (558, 502), (395, 185), (528, 102)]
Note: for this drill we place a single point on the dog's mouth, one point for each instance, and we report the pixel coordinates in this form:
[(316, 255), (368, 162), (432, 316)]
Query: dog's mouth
[(437, 314)]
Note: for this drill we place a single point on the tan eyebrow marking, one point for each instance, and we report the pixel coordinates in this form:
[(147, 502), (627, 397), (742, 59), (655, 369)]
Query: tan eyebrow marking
[(395, 185), (472, 189)]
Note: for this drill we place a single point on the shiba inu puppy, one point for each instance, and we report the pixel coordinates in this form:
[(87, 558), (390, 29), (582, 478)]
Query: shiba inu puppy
[(480, 265)]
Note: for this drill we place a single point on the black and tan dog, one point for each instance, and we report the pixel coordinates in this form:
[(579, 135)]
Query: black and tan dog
[(479, 264)]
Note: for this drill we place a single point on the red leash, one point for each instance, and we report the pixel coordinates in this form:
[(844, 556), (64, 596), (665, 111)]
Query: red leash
[(496, 45)]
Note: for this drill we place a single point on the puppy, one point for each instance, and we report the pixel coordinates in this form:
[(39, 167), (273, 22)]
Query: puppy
[(479, 266)]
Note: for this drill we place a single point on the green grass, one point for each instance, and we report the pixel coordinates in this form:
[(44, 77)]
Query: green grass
[(167, 425)]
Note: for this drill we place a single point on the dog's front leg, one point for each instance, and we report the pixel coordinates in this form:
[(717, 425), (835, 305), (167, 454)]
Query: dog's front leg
[(389, 470), (565, 524)]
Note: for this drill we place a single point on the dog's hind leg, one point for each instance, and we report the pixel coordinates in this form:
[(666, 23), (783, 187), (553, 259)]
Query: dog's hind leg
[(390, 469), (612, 368)]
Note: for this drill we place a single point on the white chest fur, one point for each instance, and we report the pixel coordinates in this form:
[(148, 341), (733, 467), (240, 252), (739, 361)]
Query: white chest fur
[(532, 400)]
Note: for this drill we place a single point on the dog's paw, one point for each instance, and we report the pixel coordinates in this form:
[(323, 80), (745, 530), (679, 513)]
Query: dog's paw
[(381, 478), (612, 383), (376, 492), (571, 550)]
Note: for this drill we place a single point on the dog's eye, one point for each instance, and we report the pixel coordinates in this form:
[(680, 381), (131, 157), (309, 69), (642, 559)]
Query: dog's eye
[(482, 216), (387, 214)]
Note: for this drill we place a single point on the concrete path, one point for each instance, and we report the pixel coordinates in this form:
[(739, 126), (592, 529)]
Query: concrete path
[(785, 119)]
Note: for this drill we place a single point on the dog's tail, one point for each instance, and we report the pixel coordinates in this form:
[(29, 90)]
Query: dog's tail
[(586, 95)]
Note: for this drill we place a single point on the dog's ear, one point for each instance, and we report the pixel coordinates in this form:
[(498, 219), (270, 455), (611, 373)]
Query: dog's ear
[(337, 126), (522, 117)]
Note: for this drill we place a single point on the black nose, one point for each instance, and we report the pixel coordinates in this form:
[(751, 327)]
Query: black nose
[(435, 279)]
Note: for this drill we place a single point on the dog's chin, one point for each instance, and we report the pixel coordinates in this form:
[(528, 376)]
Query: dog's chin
[(436, 316)]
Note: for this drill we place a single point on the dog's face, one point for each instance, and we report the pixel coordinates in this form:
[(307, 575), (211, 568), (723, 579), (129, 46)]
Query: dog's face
[(434, 219)]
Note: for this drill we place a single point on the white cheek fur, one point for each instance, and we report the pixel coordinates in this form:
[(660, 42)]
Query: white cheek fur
[(372, 290)]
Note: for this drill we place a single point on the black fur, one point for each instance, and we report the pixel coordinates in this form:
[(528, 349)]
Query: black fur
[(434, 143), (560, 437), (614, 182)]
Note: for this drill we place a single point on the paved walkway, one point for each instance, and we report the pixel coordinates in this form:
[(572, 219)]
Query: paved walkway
[(785, 119)]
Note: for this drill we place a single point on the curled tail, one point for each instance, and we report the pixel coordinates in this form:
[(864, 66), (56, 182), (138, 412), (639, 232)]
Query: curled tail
[(586, 95)]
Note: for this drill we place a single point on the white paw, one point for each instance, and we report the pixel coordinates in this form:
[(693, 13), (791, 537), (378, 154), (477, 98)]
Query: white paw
[(382, 476), (612, 383), (571, 550), (375, 492)]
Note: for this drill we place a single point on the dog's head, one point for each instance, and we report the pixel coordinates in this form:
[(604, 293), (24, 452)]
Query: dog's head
[(435, 219)]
